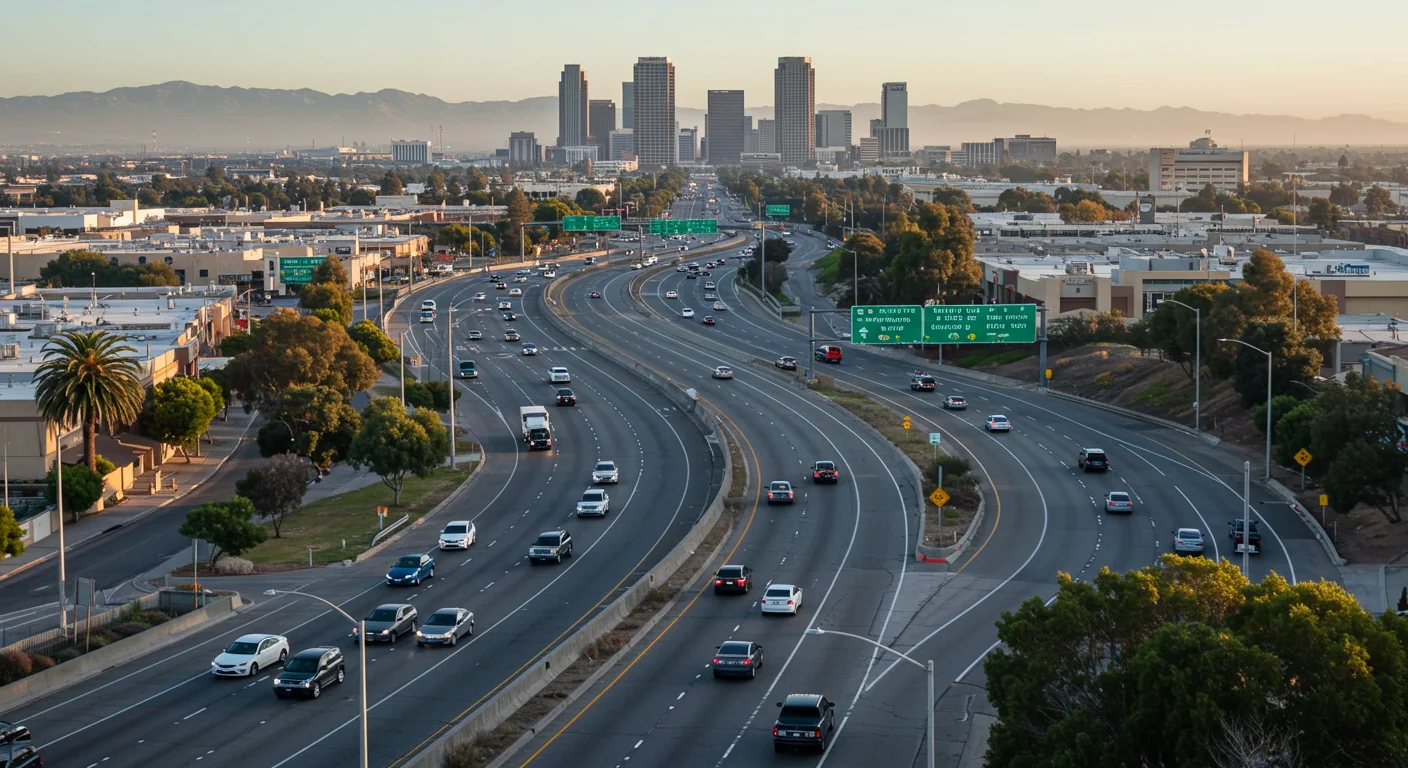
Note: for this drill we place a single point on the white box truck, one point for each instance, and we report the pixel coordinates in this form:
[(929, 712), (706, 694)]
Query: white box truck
[(537, 428)]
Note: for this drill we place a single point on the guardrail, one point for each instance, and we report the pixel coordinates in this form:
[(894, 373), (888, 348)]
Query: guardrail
[(388, 529)]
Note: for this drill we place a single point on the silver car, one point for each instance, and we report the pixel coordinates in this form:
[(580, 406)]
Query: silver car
[(606, 472), (1119, 502), (1188, 540), (445, 627)]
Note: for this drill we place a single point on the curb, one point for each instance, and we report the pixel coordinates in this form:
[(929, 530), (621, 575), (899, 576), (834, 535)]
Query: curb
[(141, 516), (1310, 522), (926, 554)]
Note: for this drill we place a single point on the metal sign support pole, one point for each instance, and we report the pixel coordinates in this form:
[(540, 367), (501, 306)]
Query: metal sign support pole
[(1041, 341)]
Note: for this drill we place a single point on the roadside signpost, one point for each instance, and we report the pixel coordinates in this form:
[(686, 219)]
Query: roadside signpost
[(887, 324), (980, 323), (591, 223), (684, 226), (939, 497), (1303, 457)]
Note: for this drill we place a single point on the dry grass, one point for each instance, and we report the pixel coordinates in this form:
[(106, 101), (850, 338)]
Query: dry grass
[(485, 748), (963, 504)]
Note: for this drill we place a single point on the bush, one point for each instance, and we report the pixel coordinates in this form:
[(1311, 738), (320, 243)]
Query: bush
[(99, 639), (955, 468), (14, 665), (39, 662), (129, 628), (65, 654), (469, 753), (155, 617), (1280, 406)]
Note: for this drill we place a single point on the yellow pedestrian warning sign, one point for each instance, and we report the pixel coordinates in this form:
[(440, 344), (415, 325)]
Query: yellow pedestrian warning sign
[(939, 497)]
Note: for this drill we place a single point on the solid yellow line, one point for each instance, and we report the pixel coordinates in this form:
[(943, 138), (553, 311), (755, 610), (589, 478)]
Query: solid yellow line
[(757, 494)]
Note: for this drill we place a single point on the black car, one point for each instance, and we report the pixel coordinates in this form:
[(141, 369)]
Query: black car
[(510, 317), (1093, 459), (387, 622), (786, 363), (825, 472), (17, 748), (308, 672), (806, 720), (733, 578), (691, 276), (738, 657), (566, 397)]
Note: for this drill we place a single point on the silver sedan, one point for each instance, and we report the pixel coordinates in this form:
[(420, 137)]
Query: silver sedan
[(445, 627)]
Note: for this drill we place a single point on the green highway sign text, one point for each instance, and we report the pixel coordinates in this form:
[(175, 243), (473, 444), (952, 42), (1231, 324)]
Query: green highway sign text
[(591, 223), (887, 324), (944, 324), (683, 226), (298, 270), (778, 210)]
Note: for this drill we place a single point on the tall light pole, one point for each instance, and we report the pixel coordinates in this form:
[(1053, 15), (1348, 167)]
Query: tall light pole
[(361, 628), (1197, 361), (1268, 398), (403, 369), (59, 500), (450, 379), (927, 667), (855, 284), (10, 250)]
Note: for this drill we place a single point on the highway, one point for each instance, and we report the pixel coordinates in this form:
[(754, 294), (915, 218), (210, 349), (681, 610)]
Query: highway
[(1044, 517), (166, 709)]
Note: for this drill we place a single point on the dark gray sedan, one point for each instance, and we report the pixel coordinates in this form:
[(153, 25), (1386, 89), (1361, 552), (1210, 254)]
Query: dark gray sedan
[(445, 627), (738, 658), (387, 622)]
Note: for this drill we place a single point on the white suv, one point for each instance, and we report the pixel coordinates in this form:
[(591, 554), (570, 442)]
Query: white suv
[(559, 375)]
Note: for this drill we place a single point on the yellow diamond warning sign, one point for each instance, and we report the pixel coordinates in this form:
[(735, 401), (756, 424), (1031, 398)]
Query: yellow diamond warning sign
[(1303, 457), (939, 497)]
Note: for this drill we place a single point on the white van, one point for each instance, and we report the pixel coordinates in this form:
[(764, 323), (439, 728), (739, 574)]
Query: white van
[(428, 304)]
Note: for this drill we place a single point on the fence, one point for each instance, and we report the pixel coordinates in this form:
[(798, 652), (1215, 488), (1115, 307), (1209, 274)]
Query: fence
[(52, 639)]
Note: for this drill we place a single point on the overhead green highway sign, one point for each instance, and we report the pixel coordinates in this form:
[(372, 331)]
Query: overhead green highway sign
[(684, 226), (980, 323), (778, 210), (298, 270), (591, 223), (887, 324)]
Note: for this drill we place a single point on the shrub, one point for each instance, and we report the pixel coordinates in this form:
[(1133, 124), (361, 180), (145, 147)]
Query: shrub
[(99, 639), (14, 665), (469, 753), (65, 654), (1105, 379), (129, 628), (39, 662), (155, 617), (954, 467)]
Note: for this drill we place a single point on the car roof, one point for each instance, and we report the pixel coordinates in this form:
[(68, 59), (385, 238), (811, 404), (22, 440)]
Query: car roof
[(458, 522), (802, 700), (1118, 493), (254, 638), (393, 606), (558, 368), (731, 565), (447, 610), (1093, 450), (553, 532), (782, 586), (1195, 531), (605, 461), (780, 482), (727, 643), (313, 653)]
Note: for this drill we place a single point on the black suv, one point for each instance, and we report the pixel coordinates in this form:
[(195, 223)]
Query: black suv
[(733, 578), (307, 672), (806, 720), (550, 545), (1093, 460), (17, 748)]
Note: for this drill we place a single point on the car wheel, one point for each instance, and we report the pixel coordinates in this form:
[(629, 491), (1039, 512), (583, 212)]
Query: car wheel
[(283, 656), (471, 628), (822, 745), (253, 669), (341, 674), (453, 639), (752, 673), (430, 575), (559, 560), (317, 690), (394, 635), (716, 674), (419, 644)]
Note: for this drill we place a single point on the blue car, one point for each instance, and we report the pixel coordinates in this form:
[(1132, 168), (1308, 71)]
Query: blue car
[(410, 570)]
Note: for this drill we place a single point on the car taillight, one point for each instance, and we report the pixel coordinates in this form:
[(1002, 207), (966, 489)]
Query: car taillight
[(741, 582), (718, 581), (789, 602), (747, 661), (816, 734), (716, 660), (774, 730), (816, 474)]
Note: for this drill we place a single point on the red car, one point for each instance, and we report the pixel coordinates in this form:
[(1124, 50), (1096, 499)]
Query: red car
[(825, 472)]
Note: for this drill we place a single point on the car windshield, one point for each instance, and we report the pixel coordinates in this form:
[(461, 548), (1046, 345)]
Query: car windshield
[(779, 487), (1096, 455), (593, 496), (301, 664), (439, 619), (547, 540), (733, 648), (605, 466), (1119, 497), (956, 399), (779, 592), (999, 418), (382, 614), (1189, 533), (825, 465), (926, 379), (409, 561), (798, 715), (240, 648), (731, 571), (456, 528)]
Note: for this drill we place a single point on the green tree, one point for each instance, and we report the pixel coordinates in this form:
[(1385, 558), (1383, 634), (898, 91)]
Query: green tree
[(227, 526), (311, 421), (276, 488), (291, 350), (393, 444), (11, 534), (75, 269), (361, 196), (554, 209), (1174, 329), (178, 411), (237, 342), (590, 199), (391, 184), (1378, 202), (457, 236), (1085, 211), (1360, 412), (1344, 195), (1291, 361), (330, 271), (952, 196), (373, 341), (1294, 431), (418, 395), (330, 296), (440, 395), (89, 377), (814, 207), (1324, 214), (83, 487), (1281, 405)]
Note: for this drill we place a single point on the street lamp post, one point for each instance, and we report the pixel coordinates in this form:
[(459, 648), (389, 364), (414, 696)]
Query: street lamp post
[(59, 501), (450, 379), (1197, 361), (855, 269), (403, 369), (1268, 398), (361, 627), (928, 667)]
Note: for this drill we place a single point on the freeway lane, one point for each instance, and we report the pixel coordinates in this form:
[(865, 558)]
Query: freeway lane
[(664, 708), (669, 474)]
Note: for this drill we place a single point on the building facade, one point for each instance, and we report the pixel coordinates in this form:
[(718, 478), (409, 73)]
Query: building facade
[(628, 105), (622, 144), (656, 141), (833, 128), (603, 122), (573, 107), (1189, 170), (893, 128), (767, 135), (869, 149), (524, 150), (689, 145), (794, 93), (410, 151), (1022, 148), (977, 153), (724, 127)]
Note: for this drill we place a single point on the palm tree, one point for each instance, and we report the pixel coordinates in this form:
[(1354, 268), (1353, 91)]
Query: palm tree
[(88, 377)]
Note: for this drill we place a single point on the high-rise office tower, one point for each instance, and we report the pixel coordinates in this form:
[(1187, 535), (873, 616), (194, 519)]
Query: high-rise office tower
[(750, 135), (628, 105), (723, 127), (603, 122), (794, 87), (767, 135), (572, 107), (893, 131), (689, 144), (656, 140), (833, 128)]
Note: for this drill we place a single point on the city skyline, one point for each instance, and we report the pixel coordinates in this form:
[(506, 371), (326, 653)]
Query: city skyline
[(1173, 68)]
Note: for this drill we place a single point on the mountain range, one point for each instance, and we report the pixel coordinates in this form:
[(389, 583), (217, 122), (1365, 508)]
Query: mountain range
[(192, 118)]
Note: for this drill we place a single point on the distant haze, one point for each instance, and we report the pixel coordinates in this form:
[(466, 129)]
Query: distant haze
[(189, 117)]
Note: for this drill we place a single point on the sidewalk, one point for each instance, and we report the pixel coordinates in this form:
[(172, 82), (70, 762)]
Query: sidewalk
[(227, 437)]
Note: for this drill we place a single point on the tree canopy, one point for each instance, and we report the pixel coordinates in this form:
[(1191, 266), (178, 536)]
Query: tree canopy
[(310, 421), (276, 488), (291, 350), (373, 341), (178, 411), (80, 268), (227, 526), (394, 444), (89, 377)]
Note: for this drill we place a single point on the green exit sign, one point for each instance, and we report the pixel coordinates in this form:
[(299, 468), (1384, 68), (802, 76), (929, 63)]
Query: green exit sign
[(591, 223), (779, 210), (980, 323), (683, 226), (887, 324)]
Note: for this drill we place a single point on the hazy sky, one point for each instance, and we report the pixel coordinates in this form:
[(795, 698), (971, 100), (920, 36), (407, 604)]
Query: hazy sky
[(1290, 57)]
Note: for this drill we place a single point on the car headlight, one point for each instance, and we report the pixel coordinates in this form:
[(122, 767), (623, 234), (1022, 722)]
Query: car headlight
[(418, 634), (385, 631)]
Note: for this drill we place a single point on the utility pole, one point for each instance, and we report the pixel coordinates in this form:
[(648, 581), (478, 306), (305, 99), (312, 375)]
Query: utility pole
[(450, 379), (1041, 340)]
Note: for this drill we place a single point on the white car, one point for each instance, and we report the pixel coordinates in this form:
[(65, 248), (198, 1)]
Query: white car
[(550, 274), (686, 312), (635, 265), (606, 472), (723, 372), (782, 598), (997, 424), (249, 654), (559, 375), (481, 296), (521, 279), (681, 269), (505, 306), (719, 306), (671, 295), (710, 296), (428, 304), (515, 291), (458, 534), (595, 503), (709, 285)]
